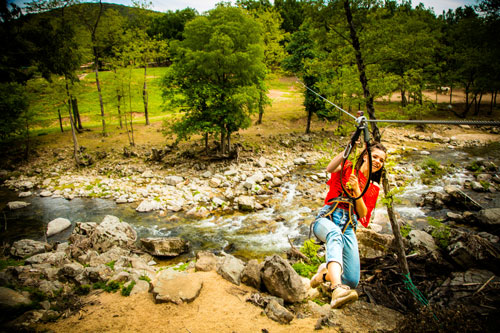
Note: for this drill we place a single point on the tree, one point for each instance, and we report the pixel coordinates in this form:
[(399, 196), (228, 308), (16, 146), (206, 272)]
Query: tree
[(292, 12), (215, 73), (171, 25), (303, 51)]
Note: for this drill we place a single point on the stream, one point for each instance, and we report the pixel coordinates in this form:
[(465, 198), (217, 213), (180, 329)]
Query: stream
[(248, 235)]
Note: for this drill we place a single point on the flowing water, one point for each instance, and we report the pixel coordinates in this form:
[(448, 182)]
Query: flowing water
[(288, 214)]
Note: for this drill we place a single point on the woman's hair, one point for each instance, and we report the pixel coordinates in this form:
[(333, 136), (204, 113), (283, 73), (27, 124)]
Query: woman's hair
[(375, 175)]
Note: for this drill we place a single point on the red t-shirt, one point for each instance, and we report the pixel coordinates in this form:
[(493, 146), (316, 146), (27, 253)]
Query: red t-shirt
[(369, 198)]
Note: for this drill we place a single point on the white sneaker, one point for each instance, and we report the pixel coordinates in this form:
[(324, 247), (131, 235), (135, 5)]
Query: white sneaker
[(342, 295)]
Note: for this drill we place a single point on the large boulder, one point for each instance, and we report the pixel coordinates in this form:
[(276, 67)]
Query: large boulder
[(11, 299), (113, 232), (168, 247), (205, 261), (372, 244), (245, 203), (176, 287), (489, 217), (251, 274), (57, 225), (421, 239), (230, 268), (281, 279), (52, 258), (27, 247)]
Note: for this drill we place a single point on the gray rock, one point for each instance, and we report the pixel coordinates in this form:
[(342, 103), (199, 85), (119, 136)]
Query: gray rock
[(17, 204), (121, 277), (112, 232), (199, 212), (245, 203), (28, 247), (57, 225), (476, 186), (278, 313), (176, 287), (251, 274), (468, 251), (489, 217), (215, 182), (45, 193), (149, 205), (10, 298), (70, 271), (52, 258), (147, 174), (173, 180), (205, 261), (25, 194), (421, 239), (299, 161), (141, 287), (372, 244), (281, 280), (169, 247), (231, 268)]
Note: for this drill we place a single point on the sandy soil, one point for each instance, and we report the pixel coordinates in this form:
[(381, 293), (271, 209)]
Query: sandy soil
[(221, 307)]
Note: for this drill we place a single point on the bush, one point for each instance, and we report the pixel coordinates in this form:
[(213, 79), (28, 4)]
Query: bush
[(441, 232), (432, 170), (126, 290), (84, 289)]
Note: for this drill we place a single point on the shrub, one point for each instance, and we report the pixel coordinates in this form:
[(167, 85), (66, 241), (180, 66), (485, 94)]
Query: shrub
[(84, 289), (126, 290), (441, 232)]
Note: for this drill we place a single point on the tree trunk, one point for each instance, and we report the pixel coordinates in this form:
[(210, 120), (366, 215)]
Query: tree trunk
[(403, 264), (451, 94), (362, 73), (467, 106), (404, 102), (119, 97), (477, 104), (76, 113), (228, 142), (132, 141), (490, 112), (309, 118), (96, 69), (145, 95), (75, 142), (60, 120), (27, 137), (261, 107), (206, 143)]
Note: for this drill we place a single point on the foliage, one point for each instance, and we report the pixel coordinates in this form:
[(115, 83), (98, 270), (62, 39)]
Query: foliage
[(145, 278), (4, 263), (310, 250), (182, 267), (111, 264), (219, 96), (126, 290), (305, 270), (432, 169), (84, 289), (112, 286), (14, 109), (441, 232), (405, 230), (170, 25)]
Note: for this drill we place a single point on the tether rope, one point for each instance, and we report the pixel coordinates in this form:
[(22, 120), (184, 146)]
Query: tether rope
[(438, 122)]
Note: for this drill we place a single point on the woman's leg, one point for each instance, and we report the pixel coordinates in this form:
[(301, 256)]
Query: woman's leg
[(350, 256)]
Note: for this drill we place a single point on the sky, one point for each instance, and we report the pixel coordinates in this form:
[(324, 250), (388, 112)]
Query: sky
[(204, 5)]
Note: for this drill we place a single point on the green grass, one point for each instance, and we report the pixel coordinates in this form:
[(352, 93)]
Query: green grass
[(10, 262)]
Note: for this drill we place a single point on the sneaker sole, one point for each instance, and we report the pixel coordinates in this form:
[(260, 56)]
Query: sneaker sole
[(317, 279)]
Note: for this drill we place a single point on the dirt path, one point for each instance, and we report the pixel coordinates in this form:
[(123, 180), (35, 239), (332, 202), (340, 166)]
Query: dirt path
[(221, 307)]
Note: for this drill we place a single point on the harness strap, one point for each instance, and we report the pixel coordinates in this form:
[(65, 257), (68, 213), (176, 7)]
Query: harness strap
[(329, 213)]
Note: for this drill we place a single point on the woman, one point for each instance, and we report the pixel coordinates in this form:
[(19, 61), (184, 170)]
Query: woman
[(342, 257)]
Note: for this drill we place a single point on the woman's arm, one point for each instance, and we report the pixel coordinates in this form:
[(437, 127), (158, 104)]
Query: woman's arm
[(334, 165), (360, 204)]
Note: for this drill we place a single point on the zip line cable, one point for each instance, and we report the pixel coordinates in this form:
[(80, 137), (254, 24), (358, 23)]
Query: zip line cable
[(438, 122)]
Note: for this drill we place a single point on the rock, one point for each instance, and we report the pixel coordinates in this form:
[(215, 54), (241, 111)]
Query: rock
[(25, 194), (120, 277), (318, 310), (169, 247), (17, 204), (70, 271), (141, 287), (112, 232), (245, 203), (45, 193), (231, 268), (149, 205), (176, 287), (421, 239), (278, 313), (51, 258), (215, 182), (147, 174), (468, 250), (299, 161), (251, 274), (11, 299), (173, 180), (489, 217), (476, 186), (463, 284), (27, 247), (372, 244), (199, 212), (205, 261), (57, 225), (281, 279)]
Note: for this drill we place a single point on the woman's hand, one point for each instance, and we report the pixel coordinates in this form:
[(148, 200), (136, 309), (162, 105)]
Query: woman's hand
[(353, 184)]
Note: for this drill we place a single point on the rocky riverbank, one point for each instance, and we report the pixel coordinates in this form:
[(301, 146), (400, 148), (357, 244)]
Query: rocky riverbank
[(453, 266)]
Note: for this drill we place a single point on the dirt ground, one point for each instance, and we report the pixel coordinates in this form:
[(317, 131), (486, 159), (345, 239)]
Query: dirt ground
[(220, 307)]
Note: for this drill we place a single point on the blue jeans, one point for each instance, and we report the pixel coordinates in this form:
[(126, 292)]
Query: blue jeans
[(340, 248)]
